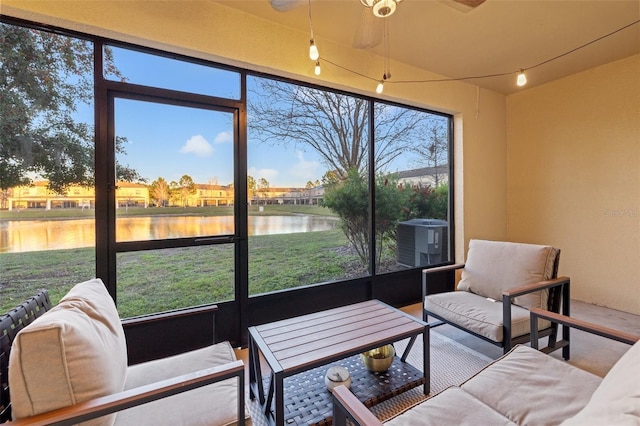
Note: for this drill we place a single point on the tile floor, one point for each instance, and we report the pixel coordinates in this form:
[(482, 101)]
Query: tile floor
[(589, 352)]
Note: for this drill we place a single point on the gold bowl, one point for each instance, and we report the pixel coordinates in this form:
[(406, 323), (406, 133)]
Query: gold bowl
[(379, 359)]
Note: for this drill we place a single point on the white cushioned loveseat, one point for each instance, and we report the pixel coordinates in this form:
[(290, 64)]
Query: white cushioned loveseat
[(525, 387), (70, 366)]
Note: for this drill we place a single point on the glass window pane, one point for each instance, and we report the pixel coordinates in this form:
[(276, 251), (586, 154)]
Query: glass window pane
[(47, 199), (162, 280), (304, 145), (412, 192), (175, 171), (172, 74)]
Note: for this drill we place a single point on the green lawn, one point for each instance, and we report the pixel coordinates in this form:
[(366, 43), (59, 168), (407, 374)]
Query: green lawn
[(159, 280)]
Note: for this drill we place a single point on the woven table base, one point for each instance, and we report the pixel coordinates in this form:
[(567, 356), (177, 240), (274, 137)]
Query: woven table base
[(308, 402)]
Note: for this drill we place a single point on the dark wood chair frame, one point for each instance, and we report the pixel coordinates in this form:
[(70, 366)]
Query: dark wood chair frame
[(559, 298), (24, 314)]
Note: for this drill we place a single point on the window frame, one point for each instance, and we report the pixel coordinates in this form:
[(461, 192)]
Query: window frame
[(245, 310)]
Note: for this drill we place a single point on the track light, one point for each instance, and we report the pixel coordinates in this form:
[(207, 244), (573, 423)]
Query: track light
[(317, 68), (522, 79), (313, 50)]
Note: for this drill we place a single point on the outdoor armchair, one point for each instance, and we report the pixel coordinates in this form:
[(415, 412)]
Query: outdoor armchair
[(70, 366), (500, 282)]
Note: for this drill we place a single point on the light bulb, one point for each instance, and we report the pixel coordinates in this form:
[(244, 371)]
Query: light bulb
[(522, 79), (317, 69), (313, 50), (380, 87)]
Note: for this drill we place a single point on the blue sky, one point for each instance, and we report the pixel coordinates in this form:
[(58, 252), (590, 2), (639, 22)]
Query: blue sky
[(170, 141)]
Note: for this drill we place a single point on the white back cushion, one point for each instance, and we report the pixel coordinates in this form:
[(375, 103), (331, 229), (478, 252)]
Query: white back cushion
[(74, 352), (617, 400), (494, 266)]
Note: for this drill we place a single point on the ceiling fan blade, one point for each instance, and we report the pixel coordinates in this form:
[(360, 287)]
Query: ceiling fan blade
[(286, 5), (470, 3), (369, 31), (463, 5)]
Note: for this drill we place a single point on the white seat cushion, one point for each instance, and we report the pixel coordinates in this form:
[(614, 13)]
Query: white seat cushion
[(74, 352), (453, 406), (532, 388), (479, 315), (215, 404)]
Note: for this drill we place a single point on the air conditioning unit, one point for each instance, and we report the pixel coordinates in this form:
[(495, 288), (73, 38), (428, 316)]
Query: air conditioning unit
[(422, 242)]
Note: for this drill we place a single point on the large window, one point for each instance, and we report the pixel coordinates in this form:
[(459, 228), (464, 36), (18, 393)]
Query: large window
[(308, 164), (301, 142), (175, 181), (213, 184), (412, 188)]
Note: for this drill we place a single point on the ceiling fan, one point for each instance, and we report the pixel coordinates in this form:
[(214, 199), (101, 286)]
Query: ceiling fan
[(370, 30)]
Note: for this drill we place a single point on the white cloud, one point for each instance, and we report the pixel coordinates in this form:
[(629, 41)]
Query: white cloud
[(306, 170), (269, 174), (197, 145), (223, 137)]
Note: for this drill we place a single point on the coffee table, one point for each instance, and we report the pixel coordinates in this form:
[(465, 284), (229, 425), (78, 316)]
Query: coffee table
[(305, 343)]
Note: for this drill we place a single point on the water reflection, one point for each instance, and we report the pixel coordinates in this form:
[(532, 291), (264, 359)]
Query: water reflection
[(33, 235)]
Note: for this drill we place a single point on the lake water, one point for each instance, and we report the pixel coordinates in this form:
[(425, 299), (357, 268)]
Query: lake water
[(34, 235)]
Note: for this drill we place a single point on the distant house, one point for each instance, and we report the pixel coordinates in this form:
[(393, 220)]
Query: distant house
[(432, 176), (38, 196), (211, 195)]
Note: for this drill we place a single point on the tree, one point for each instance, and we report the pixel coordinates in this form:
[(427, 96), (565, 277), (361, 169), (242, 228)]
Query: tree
[(426, 202), (263, 188), (186, 187), (43, 78), (330, 177), (436, 156), (251, 187), (160, 192), (349, 198), (334, 125)]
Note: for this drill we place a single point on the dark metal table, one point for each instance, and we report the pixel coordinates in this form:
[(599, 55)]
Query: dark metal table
[(305, 343)]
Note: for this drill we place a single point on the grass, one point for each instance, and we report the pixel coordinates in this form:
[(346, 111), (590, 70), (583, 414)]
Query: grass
[(160, 280)]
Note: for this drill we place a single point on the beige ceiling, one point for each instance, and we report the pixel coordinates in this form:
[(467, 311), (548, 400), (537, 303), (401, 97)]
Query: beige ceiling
[(499, 36)]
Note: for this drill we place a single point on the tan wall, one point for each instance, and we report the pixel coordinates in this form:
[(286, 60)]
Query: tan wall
[(574, 178), (210, 31)]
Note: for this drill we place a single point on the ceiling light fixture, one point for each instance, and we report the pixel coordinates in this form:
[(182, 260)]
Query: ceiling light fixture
[(317, 68), (313, 50), (314, 54), (381, 8), (380, 87), (387, 70), (521, 71), (522, 79)]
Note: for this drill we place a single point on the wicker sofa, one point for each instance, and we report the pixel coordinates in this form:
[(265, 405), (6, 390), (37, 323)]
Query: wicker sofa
[(525, 387), (70, 365)]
